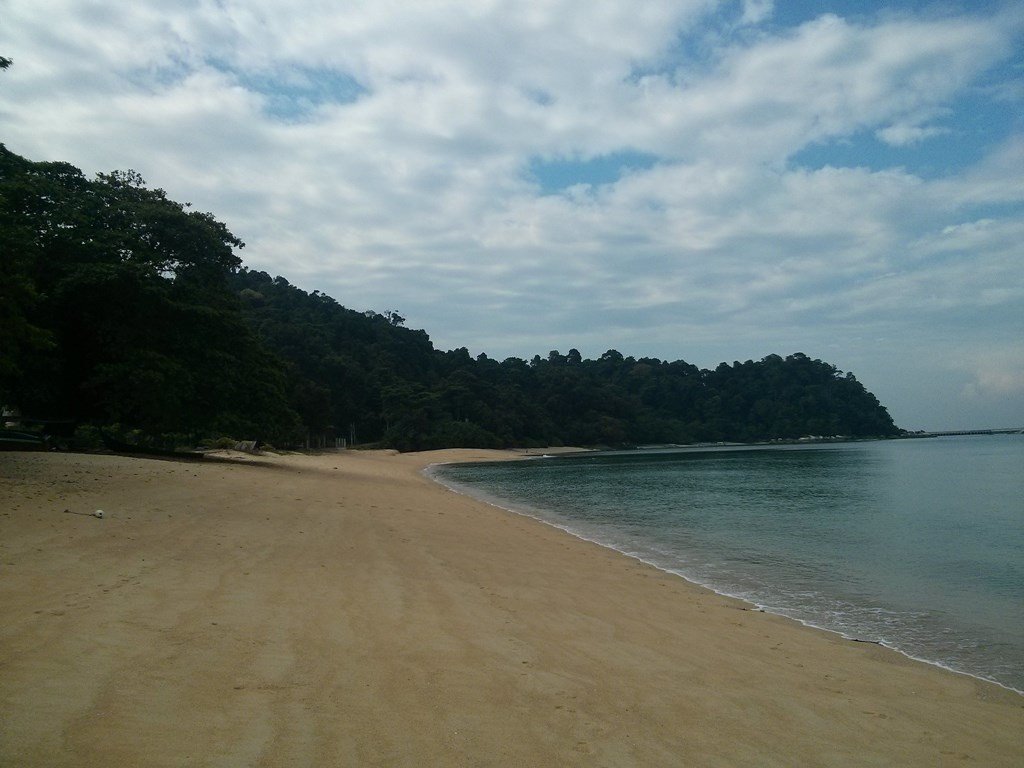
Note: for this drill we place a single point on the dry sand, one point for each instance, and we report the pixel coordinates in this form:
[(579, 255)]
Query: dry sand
[(343, 610)]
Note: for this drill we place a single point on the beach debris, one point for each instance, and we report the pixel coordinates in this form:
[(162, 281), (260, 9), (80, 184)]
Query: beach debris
[(98, 513)]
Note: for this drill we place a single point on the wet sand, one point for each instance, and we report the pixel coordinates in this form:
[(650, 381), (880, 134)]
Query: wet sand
[(344, 610)]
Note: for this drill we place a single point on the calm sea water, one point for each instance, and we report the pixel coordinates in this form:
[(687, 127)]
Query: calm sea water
[(916, 544)]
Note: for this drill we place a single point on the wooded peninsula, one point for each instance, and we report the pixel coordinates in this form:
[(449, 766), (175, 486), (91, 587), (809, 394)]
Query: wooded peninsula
[(124, 311)]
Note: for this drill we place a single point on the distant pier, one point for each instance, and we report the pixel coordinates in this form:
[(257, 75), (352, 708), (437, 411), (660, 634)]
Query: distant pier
[(1011, 431)]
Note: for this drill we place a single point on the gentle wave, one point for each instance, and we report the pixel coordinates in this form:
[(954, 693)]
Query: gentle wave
[(922, 635)]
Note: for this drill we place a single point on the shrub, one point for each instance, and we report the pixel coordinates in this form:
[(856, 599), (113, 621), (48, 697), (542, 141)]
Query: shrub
[(87, 437)]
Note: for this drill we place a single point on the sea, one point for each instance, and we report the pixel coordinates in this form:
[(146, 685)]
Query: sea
[(916, 544)]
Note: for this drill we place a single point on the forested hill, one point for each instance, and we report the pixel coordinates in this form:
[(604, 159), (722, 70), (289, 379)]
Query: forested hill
[(119, 305)]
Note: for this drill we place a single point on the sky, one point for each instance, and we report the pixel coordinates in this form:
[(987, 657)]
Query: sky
[(696, 180)]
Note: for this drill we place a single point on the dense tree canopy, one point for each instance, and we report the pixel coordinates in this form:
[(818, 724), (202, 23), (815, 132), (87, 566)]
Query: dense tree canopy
[(117, 309), (364, 373), (120, 305)]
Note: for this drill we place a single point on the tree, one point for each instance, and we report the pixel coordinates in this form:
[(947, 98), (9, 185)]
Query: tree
[(122, 301), (119, 304)]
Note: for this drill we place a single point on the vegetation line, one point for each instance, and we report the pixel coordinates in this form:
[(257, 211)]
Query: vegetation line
[(119, 306)]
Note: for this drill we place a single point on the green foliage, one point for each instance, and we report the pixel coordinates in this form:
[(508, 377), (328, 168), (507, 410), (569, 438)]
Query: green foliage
[(87, 437), (120, 305), (118, 309), (363, 371), (221, 443)]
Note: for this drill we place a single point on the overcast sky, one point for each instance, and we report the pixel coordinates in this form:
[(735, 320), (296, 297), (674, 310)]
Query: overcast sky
[(697, 180)]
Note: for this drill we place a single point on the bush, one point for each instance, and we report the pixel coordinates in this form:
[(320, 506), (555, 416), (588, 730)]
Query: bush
[(219, 443), (87, 437)]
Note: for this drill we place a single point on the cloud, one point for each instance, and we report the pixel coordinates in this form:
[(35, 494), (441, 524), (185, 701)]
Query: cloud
[(827, 79), (756, 11), (996, 180), (394, 155), (903, 134), (996, 373), (996, 382)]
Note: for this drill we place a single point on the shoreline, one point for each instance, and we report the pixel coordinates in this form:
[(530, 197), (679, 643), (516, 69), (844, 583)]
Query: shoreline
[(347, 609), (525, 510), (483, 498)]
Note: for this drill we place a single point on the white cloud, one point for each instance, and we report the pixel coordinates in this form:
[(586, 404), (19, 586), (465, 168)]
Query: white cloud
[(827, 79), (996, 373), (411, 190), (903, 134), (756, 11), (996, 180)]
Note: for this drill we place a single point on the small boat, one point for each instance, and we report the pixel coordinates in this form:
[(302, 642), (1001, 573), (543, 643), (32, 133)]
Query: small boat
[(16, 440)]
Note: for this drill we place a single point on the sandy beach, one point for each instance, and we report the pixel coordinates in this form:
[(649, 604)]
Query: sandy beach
[(345, 610)]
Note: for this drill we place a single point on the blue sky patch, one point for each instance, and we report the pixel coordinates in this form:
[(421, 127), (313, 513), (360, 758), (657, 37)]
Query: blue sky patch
[(293, 93), (795, 12), (555, 176)]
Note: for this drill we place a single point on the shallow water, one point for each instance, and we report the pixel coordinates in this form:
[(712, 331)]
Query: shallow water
[(917, 544)]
